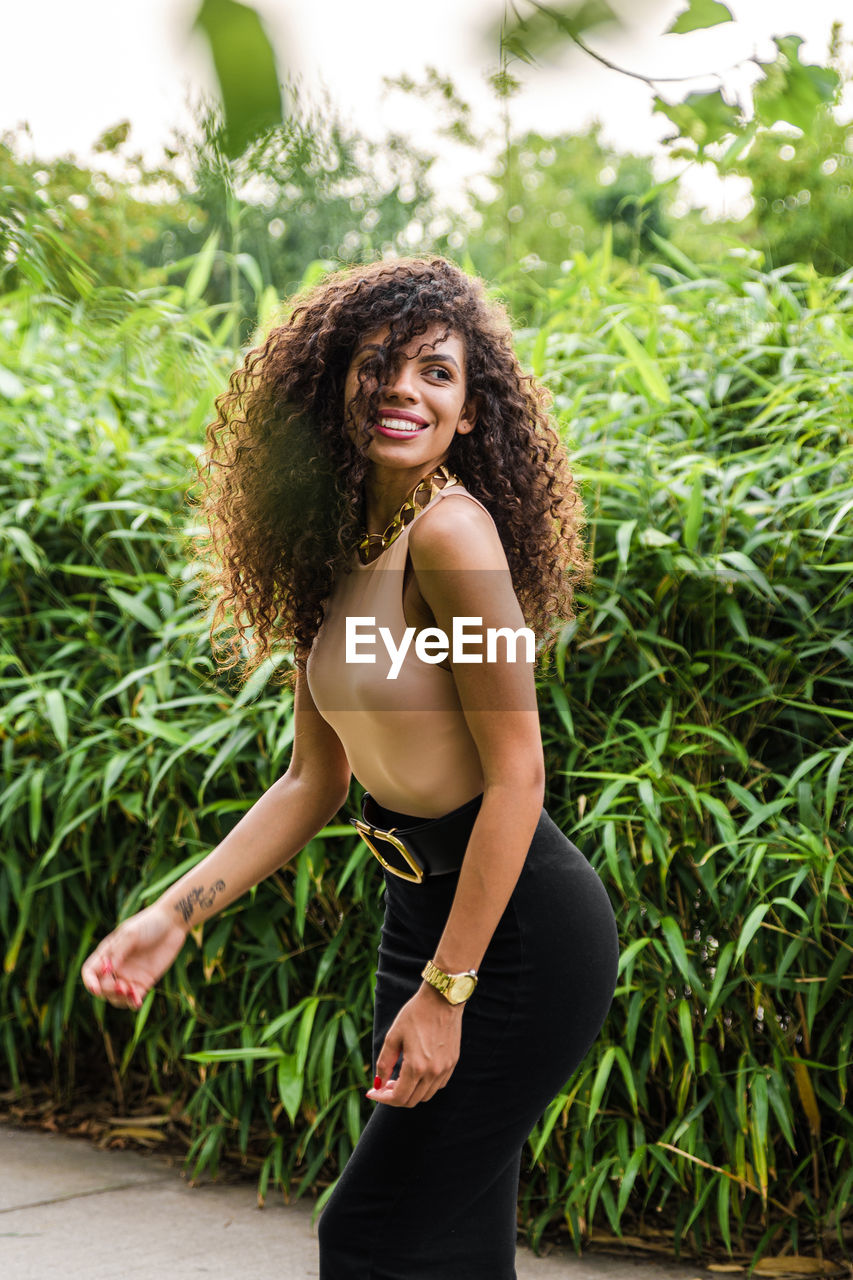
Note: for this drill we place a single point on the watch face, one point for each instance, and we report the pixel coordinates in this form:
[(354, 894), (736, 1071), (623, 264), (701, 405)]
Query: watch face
[(460, 988)]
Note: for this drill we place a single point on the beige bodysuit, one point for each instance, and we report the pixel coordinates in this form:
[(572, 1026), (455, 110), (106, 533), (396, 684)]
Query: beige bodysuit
[(406, 739)]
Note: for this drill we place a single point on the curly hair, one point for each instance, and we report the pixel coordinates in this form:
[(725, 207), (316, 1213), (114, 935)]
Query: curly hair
[(282, 501)]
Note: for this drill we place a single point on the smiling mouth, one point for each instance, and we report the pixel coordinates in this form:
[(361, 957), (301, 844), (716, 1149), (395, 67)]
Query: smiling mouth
[(399, 427)]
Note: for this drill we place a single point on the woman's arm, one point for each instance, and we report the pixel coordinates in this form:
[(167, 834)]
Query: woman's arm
[(131, 959), (462, 570), (278, 825)]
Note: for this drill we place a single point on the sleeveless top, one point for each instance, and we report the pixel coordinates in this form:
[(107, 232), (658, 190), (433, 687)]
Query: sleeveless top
[(406, 739)]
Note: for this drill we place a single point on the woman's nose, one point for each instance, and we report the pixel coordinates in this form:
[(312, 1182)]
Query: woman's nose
[(400, 382)]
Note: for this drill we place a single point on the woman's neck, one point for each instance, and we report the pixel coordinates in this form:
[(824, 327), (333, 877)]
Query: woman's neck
[(385, 492)]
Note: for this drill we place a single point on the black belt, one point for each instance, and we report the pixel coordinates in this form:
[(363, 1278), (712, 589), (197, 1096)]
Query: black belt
[(428, 847)]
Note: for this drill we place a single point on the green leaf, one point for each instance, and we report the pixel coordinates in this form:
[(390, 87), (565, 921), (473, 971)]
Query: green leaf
[(199, 275), (656, 538), (629, 1177), (737, 146), (136, 608), (290, 1081), (252, 1054), (758, 1130), (723, 965), (539, 1139), (724, 1186), (11, 387), (627, 1076), (315, 271), (28, 550), (758, 1092), (155, 728), (57, 715), (790, 91), (699, 14), (676, 256), (245, 68), (685, 1023), (675, 943), (704, 118), (250, 269), (301, 892), (623, 541), (648, 369), (545, 32), (138, 1028), (832, 781), (629, 954), (284, 1020), (537, 358), (306, 1024), (602, 1075), (780, 1099), (739, 560), (693, 518), (36, 791), (751, 925), (354, 1117)]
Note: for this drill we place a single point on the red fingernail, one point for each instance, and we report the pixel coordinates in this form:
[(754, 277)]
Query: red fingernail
[(377, 1082), (106, 967)]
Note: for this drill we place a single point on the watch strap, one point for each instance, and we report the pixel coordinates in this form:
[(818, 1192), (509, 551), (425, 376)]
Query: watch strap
[(442, 981)]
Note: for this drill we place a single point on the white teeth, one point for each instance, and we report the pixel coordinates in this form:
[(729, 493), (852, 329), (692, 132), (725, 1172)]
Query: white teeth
[(400, 424)]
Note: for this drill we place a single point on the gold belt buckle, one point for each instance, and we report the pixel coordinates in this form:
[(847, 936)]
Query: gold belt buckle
[(365, 830)]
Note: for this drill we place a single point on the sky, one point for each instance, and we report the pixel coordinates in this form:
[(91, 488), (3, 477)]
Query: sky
[(75, 67)]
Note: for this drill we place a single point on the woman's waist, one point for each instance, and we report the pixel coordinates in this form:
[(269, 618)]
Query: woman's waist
[(551, 862), (422, 777)]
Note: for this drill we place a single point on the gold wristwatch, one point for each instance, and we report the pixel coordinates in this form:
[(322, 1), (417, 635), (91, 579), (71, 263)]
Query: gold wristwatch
[(455, 987)]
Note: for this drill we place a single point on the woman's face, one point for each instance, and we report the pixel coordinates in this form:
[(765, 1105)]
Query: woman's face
[(422, 405)]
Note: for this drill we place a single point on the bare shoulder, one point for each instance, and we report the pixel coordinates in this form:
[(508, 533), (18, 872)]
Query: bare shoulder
[(456, 533)]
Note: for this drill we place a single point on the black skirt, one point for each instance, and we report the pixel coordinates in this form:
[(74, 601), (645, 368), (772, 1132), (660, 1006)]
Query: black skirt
[(430, 1191)]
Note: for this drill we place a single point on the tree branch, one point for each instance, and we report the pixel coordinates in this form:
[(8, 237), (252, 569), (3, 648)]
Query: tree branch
[(562, 22)]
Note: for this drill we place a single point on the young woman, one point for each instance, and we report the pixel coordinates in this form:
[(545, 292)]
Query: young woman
[(385, 482)]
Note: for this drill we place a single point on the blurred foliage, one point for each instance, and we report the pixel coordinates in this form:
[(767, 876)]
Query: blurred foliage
[(787, 91), (699, 15), (313, 189), (801, 183), (526, 31), (309, 189), (697, 728), (552, 197), (246, 71), (72, 225), (535, 31)]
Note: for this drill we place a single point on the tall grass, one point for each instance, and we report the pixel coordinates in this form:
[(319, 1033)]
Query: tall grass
[(700, 746), (697, 726)]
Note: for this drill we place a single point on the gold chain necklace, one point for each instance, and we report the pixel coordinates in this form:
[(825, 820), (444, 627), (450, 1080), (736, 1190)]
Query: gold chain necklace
[(373, 544)]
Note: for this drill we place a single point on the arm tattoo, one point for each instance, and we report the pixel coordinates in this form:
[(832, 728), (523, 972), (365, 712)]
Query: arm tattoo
[(198, 897)]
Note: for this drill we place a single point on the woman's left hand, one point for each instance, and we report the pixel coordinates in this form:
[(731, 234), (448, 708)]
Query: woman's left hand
[(427, 1031)]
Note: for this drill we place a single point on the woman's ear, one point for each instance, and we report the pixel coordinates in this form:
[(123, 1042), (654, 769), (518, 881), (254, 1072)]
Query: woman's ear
[(468, 418)]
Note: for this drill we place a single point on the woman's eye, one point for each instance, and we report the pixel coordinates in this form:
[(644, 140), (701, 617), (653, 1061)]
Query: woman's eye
[(439, 368)]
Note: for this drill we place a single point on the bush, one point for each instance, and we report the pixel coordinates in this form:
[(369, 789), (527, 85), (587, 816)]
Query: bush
[(697, 724), (699, 743)]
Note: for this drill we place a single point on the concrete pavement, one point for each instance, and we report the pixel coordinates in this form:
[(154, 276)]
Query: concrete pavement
[(68, 1208)]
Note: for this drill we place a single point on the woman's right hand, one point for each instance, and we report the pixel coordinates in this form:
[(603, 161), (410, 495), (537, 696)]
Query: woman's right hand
[(125, 966)]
